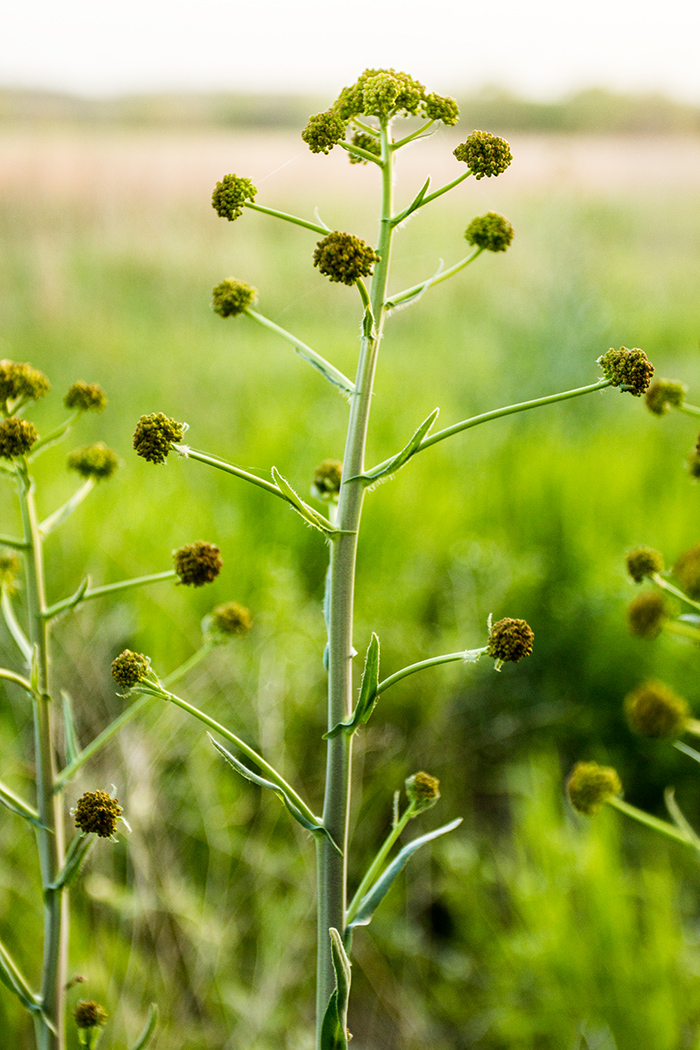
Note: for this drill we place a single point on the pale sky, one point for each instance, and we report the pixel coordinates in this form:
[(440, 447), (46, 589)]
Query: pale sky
[(539, 48)]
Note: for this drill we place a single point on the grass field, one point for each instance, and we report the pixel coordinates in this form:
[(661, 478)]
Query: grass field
[(529, 930)]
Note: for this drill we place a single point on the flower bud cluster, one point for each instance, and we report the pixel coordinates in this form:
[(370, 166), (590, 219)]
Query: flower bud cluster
[(591, 785), (643, 561), (324, 131), (154, 436), (21, 381), (197, 563), (646, 614), (368, 143), (654, 710), (89, 1014), (491, 231), (85, 397), (422, 791), (485, 154), (231, 619), (344, 258), (664, 394), (327, 478), (94, 461), (16, 437), (232, 297), (128, 669), (629, 369), (97, 813), (230, 195), (510, 640), (687, 571)]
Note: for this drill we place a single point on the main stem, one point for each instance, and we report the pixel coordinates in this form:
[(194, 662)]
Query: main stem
[(332, 868), (50, 833)]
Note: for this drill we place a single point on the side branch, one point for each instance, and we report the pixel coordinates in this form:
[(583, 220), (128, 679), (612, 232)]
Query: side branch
[(316, 227), (417, 290), (84, 593), (229, 468), (326, 369)]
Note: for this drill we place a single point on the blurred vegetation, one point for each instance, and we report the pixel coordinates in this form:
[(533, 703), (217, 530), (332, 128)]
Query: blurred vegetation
[(529, 929)]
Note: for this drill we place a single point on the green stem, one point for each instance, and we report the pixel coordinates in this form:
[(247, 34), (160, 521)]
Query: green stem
[(418, 289), (684, 630), (375, 868), (228, 468), (332, 867), (288, 218), (53, 436), (107, 588), (690, 410), (67, 508), (412, 137), (437, 193), (9, 541), (13, 626), (357, 151), (651, 822), (666, 586), (11, 676), (432, 662), (49, 831), (325, 367)]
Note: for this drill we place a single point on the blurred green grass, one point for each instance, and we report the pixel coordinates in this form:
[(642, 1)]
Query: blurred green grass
[(207, 906)]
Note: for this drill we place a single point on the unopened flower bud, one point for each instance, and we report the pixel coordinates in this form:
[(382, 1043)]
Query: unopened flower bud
[(423, 791), (89, 1014), (231, 619), (643, 561), (16, 437), (232, 297), (230, 195), (629, 369), (366, 142), (86, 397), (197, 563), (646, 614), (441, 107), (664, 394), (591, 785), (687, 571), (485, 154), (510, 640), (327, 478), (130, 668), (95, 461), (491, 231), (154, 436), (344, 258), (97, 813), (21, 380), (324, 131), (654, 710)]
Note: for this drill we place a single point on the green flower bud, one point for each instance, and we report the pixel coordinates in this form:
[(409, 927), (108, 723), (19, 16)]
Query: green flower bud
[(380, 93), (129, 668), (197, 563), (231, 619), (590, 785), (16, 437), (324, 131), (154, 436), (491, 231), (509, 640), (230, 195), (327, 478), (93, 461), (485, 154), (629, 369), (18, 380), (423, 791), (232, 297), (89, 1014), (654, 710), (366, 142), (344, 258), (97, 813), (643, 561), (687, 571), (664, 394), (444, 108), (86, 397), (646, 614), (9, 570)]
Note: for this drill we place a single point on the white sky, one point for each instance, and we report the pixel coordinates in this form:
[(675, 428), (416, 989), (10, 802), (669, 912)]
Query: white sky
[(540, 48)]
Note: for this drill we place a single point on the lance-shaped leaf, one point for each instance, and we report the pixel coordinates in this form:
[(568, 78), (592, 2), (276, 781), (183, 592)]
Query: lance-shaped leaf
[(374, 896), (414, 205), (397, 461), (368, 693), (148, 1029), (70, 737), (68, 603), (310, 516), (315, 827), (65, 511), (334, 1030), (12, 977), (77, 852), (679, 818), (19, 806)]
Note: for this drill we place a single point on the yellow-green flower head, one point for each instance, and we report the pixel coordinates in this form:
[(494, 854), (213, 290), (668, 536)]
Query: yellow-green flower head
[(129, 668), (664, 394), (231, 619), (324, 131), (441, 107), (89, 1014), (485, 154), (94, 461), (687, 571), (197, 563), (629, 369), (368, 143), (654, 710), (344, 258), (423, 791), (154, 436), (327, 478), (9, 570), (510, 640), (21, 380), (86, 397), (591, 785), (380, 93), (646, 614), (643, 561), (232, 297), (491, 231), (97, 813), (230, 195), (16, 437)]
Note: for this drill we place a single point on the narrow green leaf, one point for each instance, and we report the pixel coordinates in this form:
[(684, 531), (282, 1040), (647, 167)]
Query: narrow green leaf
[(315, 827), (310, 516), (12, 978), (70, 737), (68, 603), (77, 852), (17, 805), (148, 1029), (404, 455), (65, 511), (368, 693), (414, 205), (687, 750), (334, 1033), (679, 819), (374, 896)]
